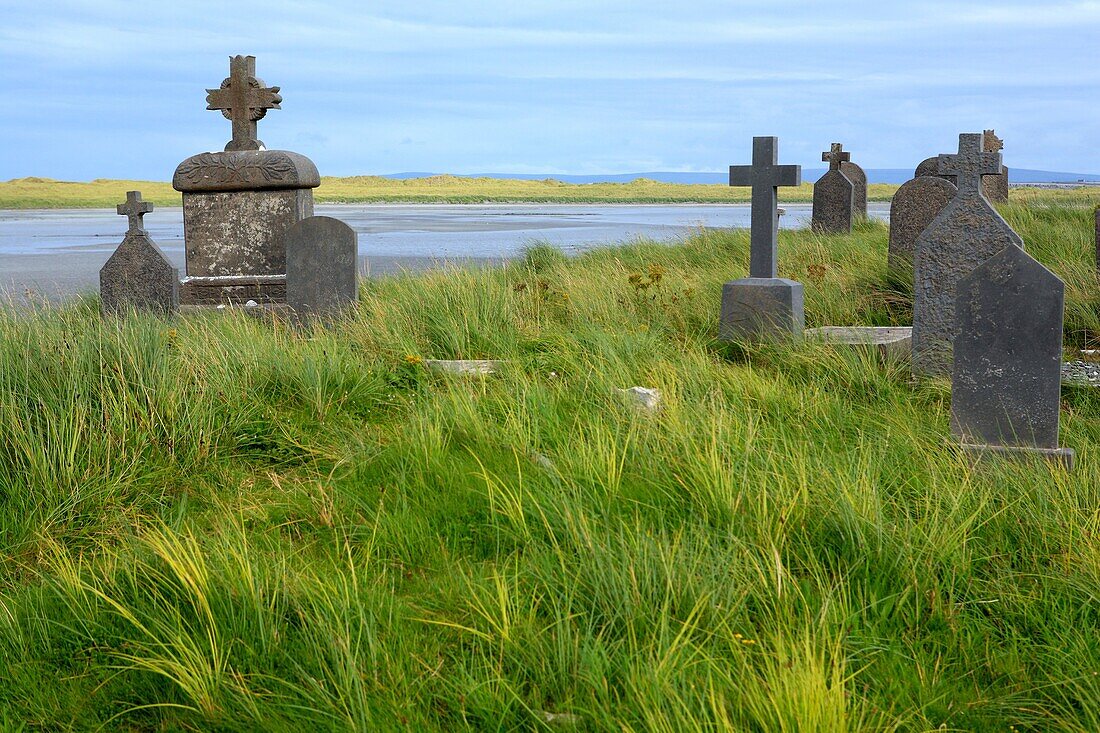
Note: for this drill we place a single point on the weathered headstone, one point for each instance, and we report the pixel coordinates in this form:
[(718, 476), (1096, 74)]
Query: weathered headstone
[(322, 256), (858, 177), (238, 203), (931, 167), (834, 196), (762, 304), (914, 206), (995, 187), (138, 276), (1006, 381), (965, 234)]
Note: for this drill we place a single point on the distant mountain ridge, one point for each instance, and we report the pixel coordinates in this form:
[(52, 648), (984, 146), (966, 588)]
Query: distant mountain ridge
[(874, 175)]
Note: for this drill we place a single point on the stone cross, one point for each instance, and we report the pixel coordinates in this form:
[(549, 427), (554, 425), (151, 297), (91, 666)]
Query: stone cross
[(243, 99), (765, 176), (836, 156), (971, 163), (134, 209)]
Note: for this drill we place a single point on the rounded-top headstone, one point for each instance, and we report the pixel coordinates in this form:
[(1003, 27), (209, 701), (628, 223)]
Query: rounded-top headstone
[(915, 205), (858, 177), (321, 266), (931, 167)]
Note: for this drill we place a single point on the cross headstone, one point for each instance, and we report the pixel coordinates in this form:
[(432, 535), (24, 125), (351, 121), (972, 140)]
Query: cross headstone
[(1006, 379), (966, 233), (243, 99), (138, 276), (322, 257), (765, 176), (915, 205), (134, 210), (834, 195), (762, 304)]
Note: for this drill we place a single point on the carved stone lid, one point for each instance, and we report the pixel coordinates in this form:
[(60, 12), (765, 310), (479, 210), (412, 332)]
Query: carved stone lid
[(245, 170)]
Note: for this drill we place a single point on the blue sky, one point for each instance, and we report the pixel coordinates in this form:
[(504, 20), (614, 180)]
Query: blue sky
[(113, 89)]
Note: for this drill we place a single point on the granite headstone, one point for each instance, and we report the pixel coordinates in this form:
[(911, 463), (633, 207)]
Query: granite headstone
[(858, 177), (138, 276), (914, 206), (1006, 380), (967, 232), (834, 196), (322, 256), (762, 304)]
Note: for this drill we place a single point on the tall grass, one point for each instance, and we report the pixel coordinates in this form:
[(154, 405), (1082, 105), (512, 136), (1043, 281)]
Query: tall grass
[(218, 523)]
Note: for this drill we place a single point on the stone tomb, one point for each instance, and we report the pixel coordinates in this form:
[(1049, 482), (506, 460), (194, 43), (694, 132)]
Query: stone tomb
[(914, 206), (1006, 381), (834, 196), (965, 234), (322, 256), (138, 276), (238, 203), (858, 178), (763, 305)]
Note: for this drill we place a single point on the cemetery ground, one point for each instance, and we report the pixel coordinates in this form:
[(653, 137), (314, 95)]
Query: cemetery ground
[(217, 522)]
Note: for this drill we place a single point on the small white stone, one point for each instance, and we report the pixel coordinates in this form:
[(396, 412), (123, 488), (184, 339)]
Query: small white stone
[(644, 398), (543, 462), (464, 366), (251, 304)]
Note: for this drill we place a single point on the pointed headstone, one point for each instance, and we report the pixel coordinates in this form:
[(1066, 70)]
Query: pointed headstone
[(322, 256), (762, 304), (858, 177), (914, 206), (967, 232), (834, 196), (1006, 380), (138, 276)]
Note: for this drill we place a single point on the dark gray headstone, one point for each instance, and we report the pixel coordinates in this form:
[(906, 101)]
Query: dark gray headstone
[(762, 305), (322, 257), (915, 205), (1006, 381), (931, 167), (834, 195), (138, 276), (995, 187), (858, 177), (965, 234)]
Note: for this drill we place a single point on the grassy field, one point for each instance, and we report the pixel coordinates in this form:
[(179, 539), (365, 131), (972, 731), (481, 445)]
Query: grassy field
[(217, 523)]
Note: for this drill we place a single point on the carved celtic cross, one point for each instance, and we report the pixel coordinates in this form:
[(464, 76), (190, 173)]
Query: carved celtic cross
[(243, 99), (836, 156), (134, 209)]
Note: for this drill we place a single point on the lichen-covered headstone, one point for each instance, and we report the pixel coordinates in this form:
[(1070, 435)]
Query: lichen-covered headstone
[(1006, 380), (995, 187), (858, 177), (914, 206), (762, 304), (967, 232), (322, 255), (138, 276), (834, 196)]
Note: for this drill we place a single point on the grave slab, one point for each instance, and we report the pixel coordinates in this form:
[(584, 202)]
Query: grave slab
[(891, 342)]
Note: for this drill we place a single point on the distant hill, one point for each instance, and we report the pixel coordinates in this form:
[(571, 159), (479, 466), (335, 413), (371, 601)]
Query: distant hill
[(874, 175)]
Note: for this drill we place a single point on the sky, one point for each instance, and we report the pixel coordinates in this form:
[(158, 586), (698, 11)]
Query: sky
[(116, 89)]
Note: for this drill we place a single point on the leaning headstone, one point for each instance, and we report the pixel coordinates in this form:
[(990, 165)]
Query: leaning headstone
[(834, 196), (914, 206), (1006, 381), (858, 177), (238, 203), (138, 276), (995, 187), (322, 256), (762, 304), (965, 234)]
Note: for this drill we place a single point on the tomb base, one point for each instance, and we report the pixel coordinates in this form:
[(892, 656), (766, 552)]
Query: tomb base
[(232, 290), (1062, 456), (757, 308)]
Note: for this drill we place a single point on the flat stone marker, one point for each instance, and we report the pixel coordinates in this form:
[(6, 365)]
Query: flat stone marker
[(915, 205), (965, 234), (762, 304), (138, 276), (1006, 381), (858, 177), (464, 367), (322, 255), (834, 196), (891, 342)]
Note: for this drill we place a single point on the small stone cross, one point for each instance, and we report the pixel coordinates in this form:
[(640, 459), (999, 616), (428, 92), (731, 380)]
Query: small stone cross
[(243, 99), (764, 175), (134, 209), (836, 156), (971, 163)]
